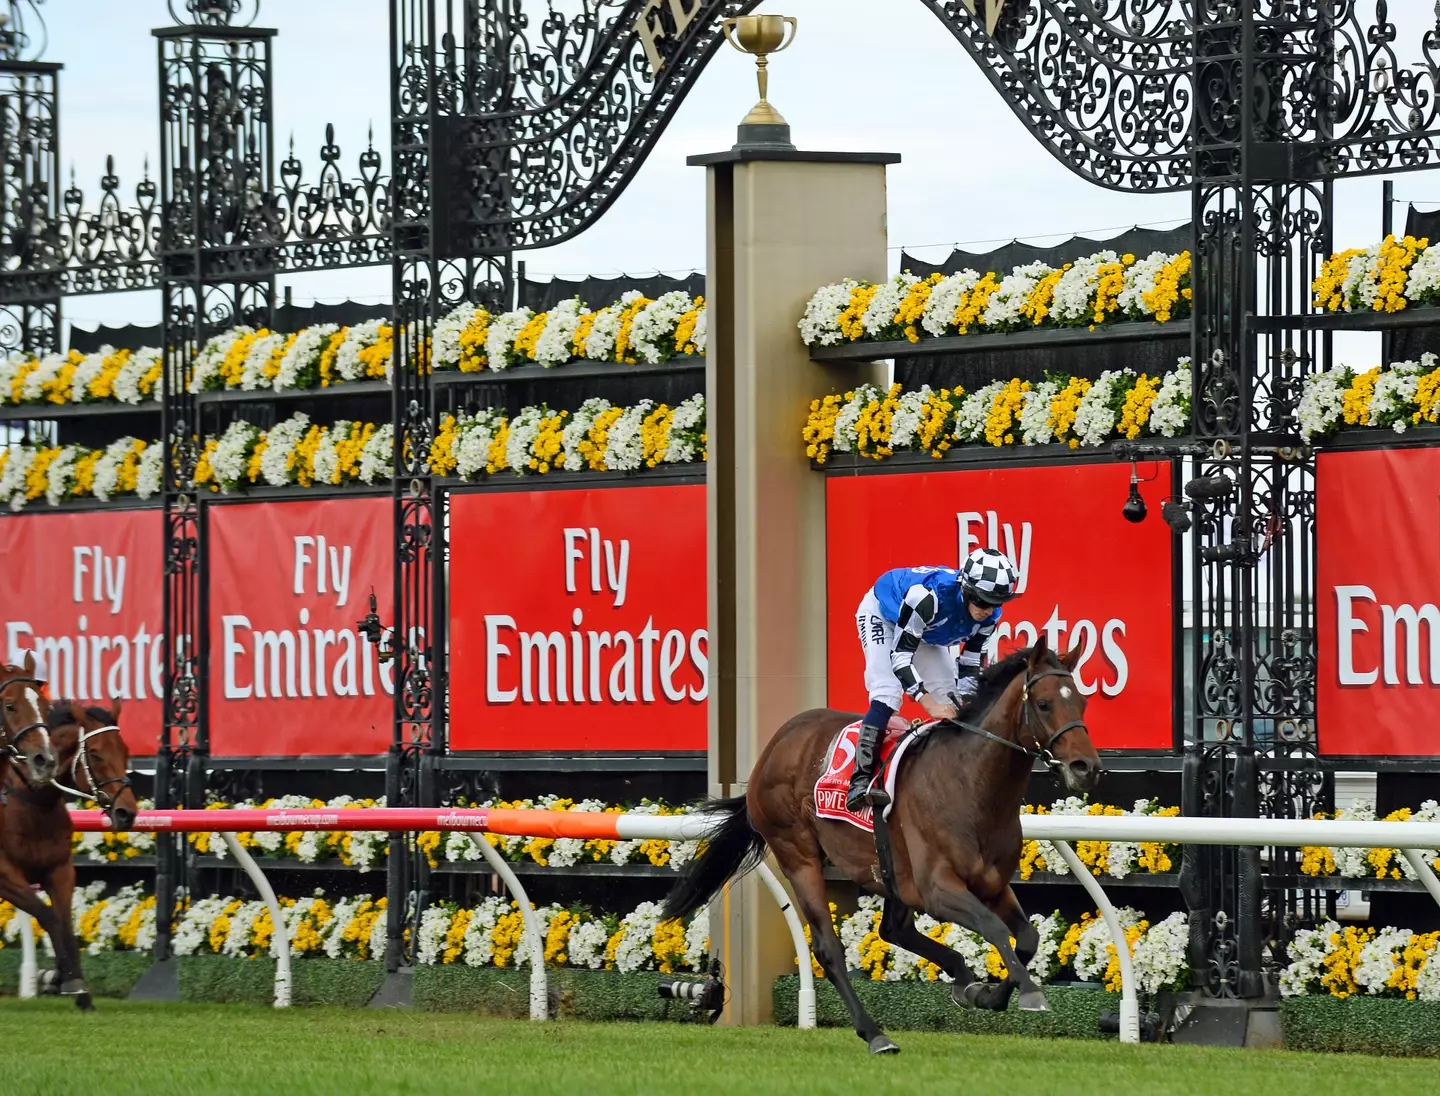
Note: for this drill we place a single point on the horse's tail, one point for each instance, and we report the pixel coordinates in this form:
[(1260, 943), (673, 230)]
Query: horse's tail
[(733, 848)]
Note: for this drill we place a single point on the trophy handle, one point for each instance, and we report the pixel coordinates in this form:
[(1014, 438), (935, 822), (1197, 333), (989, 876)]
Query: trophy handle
[(793, 24), (728, 25)]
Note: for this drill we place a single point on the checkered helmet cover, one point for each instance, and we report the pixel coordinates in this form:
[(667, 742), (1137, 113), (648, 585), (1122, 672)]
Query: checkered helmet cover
[(989, 577)]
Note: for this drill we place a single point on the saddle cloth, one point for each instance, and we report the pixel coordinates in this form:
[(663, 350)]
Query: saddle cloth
[(834, 785)]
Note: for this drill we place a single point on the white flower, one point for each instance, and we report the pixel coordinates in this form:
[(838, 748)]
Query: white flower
[(1093, 955), (556, 343), (636, 950), (48, 370), (60, 476), (473, 437), (304, 355), (90, 367), (257, 361), (360, 337), (279, 446), (1159, 956), (1307, 951), (500, 340), (1322, 402), (445, 340), (128, 379), (524, 429), (1424, 276), (107, 468), (820, 326), (625, 444), (479, 945), (1002, 311), (1170, 413), (973, 411), (847, 421), (377, 458), (908, 418), (1095, 418), (879, 316), (702, 331), (1140, 283), (687, 424), (1035, 425), (1394, 394), (434, 924), (939, 318), (1074, 300), (147, 477), (586, 944), (12, 476), (577, 430), (653, 332), (600, 343), (205, 373)]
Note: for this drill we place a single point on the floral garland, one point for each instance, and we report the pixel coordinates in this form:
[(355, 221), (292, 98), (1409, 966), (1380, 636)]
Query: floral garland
[(105, 376), (1386, 277), (1062, 410), (1083, 950), (1098, 289), (599, 437), (126, 468), (1347, 962), (1396, 397), (631, 330)]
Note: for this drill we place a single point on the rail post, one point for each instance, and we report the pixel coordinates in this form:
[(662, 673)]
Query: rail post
[(534, 938), (282, 931), (29, 967)]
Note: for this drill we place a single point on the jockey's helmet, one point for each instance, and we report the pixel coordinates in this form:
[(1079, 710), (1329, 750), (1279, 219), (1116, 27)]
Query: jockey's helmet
[(988, 577)]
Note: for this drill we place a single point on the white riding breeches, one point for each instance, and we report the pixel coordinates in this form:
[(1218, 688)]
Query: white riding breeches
[(934, 666)]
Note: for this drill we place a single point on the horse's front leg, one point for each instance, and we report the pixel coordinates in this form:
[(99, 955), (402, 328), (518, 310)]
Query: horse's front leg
[(897, 927), (15, 890), (950, 898), (1027, 941), (60, 885)]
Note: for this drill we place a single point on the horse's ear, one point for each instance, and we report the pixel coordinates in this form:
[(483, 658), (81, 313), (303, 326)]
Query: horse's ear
[(1037, 652), (1071, 658), (115, 709), (29, 664)]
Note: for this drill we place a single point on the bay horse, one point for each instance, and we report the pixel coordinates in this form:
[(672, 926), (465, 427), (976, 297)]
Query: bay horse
[(36, 846), (954, 828)]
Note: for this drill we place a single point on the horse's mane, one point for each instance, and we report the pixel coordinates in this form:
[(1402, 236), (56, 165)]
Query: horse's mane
[(994, 680), (64, 712)]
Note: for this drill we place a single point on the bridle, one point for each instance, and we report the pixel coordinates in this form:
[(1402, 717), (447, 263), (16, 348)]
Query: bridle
[(81, 765), (1031, 722), (12, 740)]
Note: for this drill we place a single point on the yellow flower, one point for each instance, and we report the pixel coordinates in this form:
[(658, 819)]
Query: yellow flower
[(1110, 285), (668, 942), (496, 459), (84, 482), (592, 446), (549, 443), (232, 367), (36, 478), (557, 937), (1138, 403), (58, 388), (17, 384), (970, 311), (623, 350), (1427, 397), (1392, 272), (1005, 412), (912, 308), (529, 336), (1064, 407), (472, 342), (819, 429), (1172, 286), (1329, 285), (1070, 945), (376, 358), (302, 458), (506, 937), (1340, 964), (1112, 968), (851, 320), (583, 328), (102, 385), (455, 936), (872, 428), (442, 457), (428, 842), (1037, 304), (1356, 399)]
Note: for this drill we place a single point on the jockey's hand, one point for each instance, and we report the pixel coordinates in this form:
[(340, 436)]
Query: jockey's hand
[(938, 707)]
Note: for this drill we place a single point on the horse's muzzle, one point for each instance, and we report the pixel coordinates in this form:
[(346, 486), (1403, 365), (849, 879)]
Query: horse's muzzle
[(121, 818), (1080, 774)]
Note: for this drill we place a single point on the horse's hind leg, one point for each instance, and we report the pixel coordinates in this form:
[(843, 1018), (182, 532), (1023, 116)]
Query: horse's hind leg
[(957, 903), (897, 927), (61, 888), (1027, 942), (808, 881)]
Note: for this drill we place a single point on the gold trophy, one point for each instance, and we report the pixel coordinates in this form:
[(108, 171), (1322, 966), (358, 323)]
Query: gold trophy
[(762, 35)]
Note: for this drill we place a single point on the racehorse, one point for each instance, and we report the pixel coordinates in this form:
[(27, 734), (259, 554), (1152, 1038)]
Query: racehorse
[(36, 832), (954, 827), (24, 739)]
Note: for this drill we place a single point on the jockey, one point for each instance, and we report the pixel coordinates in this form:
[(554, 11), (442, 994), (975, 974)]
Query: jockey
[(907, 621)]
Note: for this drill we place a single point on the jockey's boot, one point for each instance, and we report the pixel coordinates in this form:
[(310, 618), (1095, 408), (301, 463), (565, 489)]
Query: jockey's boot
[(866, 749)]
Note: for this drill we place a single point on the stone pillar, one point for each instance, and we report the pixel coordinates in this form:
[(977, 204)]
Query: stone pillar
[(781, 223)]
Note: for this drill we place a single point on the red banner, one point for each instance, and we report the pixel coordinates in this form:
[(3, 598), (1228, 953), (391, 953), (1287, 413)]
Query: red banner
[(83, 592), (577, 619), (1377, 518), (1088, 578), (289, 674)]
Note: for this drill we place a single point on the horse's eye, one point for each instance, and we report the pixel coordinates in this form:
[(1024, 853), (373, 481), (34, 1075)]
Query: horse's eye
[(1044, 705), (9, 707)]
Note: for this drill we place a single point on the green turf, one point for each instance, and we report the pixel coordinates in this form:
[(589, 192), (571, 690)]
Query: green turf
[(192, 1050)]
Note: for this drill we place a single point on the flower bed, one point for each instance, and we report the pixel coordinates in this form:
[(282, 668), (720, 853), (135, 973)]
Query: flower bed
[(1403, 395), (1386, 277), (1356, 961), (1103, 288), (1060, 410), (1319, 860)]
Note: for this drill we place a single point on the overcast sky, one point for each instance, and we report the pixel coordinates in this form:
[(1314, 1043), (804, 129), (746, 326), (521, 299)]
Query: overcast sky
[(971, 172)]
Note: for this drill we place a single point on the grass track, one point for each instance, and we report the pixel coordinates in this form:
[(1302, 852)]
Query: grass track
[(234, 1050)]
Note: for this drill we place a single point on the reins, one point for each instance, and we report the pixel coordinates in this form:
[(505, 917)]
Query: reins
[(1029, 721)]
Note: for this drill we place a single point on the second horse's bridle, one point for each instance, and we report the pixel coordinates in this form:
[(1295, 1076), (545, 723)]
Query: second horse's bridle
[(81, 764)]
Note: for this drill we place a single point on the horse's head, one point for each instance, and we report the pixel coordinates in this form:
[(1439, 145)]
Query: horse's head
[(94, 760), (1053, 713), (23, 735)]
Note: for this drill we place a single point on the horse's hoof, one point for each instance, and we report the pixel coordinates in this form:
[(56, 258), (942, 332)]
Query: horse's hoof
[(960, 995), (971, 995), (883, 1044), (1034, 1001), (83, 1002)]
